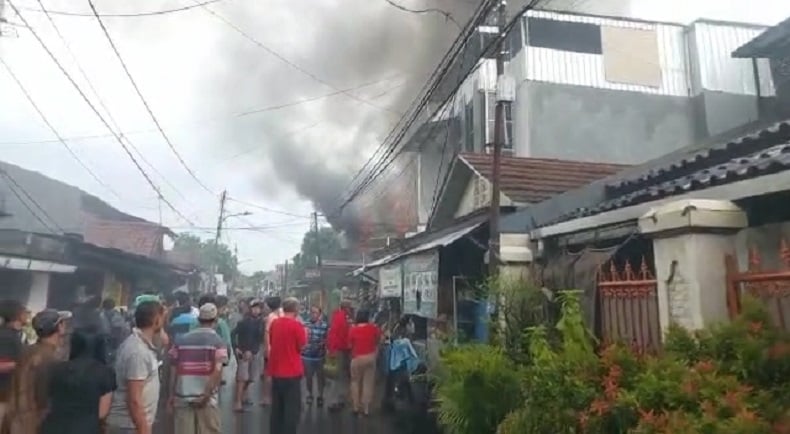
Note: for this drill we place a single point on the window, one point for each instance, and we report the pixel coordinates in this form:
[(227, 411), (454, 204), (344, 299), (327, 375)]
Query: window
[(564, 35), (469, 127)]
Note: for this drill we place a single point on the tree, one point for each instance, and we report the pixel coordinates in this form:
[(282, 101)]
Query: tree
[(330, 246), (206, 254)]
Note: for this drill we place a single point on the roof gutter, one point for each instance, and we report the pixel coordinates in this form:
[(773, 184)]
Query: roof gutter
[(737, 190)]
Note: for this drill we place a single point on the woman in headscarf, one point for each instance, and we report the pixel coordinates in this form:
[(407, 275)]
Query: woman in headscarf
[(80, 389)]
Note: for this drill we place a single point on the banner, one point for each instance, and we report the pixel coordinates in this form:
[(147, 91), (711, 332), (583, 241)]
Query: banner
[(421, 284), (390, 282)]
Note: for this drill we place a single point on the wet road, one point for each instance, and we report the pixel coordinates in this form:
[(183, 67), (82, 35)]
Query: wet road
[(255, 419)]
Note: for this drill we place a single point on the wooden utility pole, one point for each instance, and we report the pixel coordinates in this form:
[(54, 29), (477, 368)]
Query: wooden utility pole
[(220, 219), (318, 260), (499, 140)]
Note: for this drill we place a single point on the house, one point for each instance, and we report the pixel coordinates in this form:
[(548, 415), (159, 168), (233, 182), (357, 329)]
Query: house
[(594, 88), (681, 238), (435, 271), (59, 244)]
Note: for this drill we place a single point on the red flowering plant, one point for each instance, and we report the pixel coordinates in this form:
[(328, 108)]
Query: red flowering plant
[(733, 379)]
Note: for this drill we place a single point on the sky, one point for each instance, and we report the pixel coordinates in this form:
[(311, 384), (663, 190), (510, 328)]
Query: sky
[(278, 102)]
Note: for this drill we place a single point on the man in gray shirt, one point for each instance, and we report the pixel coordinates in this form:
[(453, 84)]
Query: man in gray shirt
[(135, 401)]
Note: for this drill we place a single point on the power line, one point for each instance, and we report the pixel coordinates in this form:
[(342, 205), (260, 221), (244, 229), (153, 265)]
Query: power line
[(98, 114), (290, 63), (447, 15), (126, 15), (10, 180), (244, 113), (100, 100), (143, 100), (55, 131), (399, 131), (420, 101), (264, 208)]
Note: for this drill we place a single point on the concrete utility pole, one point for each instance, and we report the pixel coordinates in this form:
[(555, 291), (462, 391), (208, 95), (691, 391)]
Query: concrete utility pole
[(504, 90), (220, 219), (318, 260), (284, 289)]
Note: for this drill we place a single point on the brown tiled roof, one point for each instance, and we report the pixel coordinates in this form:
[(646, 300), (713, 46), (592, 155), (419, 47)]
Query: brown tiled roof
[(138, 238), (532, 180)]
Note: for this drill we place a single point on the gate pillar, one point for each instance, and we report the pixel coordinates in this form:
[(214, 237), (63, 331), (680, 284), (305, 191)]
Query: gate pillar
[(689, 239)]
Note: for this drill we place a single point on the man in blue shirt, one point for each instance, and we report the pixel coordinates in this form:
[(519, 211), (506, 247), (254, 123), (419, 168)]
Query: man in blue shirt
[(314, 354)]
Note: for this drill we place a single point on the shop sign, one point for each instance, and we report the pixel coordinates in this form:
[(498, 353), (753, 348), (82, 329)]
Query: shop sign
[(421, 284)]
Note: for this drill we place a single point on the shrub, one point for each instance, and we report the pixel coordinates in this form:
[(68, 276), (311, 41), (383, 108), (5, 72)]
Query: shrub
[(477, 386), (733, 379)]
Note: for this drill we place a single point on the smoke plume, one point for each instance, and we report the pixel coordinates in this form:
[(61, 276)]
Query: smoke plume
[(315, 148)]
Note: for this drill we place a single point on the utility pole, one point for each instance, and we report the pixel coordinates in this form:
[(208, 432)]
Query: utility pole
[(220, 219), (285, 280), (504, 96), (318, 260)]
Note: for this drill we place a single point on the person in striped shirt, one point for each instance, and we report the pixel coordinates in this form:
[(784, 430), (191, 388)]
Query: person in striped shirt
[(314, 355), (197, 359)]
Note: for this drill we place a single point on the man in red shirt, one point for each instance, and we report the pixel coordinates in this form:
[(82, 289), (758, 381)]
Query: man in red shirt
[(287, 337), (338, 346)]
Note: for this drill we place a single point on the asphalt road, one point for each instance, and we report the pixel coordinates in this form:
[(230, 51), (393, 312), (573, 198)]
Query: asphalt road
[(255, 419)]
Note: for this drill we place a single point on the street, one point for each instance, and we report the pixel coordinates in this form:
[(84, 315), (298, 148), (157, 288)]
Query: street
[(314, 420)]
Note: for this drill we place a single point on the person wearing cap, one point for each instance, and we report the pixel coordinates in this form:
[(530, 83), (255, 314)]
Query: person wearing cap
[(247, 338), (197, 358), (28, 399)]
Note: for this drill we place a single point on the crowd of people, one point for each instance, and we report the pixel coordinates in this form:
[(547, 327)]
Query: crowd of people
[(92, 372)]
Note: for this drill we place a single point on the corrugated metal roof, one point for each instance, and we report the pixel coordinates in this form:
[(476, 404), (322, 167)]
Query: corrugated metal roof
[(581, 69), (531, 180), (711, 44), (425, 241), (768, 44)]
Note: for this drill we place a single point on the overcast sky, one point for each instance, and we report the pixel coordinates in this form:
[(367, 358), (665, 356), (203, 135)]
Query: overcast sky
[(202, 79)]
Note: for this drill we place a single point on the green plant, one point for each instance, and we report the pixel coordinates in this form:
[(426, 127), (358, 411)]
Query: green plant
[(732, 379), (477, 386), (562, 376), (521, 306)]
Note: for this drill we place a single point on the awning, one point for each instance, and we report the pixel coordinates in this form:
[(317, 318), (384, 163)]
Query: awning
[(439, 239), (25, 264)]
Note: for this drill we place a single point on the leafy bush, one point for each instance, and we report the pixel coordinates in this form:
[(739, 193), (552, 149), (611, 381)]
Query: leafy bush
[(522, 306), (730, 379), (478, 385)]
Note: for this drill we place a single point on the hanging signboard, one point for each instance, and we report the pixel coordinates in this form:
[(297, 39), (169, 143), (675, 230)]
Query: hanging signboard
[(421, 284), (390, 281)]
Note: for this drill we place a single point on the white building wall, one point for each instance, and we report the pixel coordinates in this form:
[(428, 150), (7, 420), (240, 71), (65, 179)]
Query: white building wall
[(582, 69), (711, 45), (39, 291)]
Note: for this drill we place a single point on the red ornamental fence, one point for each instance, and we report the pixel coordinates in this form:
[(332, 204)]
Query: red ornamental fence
[(629, 306), (771, 287)]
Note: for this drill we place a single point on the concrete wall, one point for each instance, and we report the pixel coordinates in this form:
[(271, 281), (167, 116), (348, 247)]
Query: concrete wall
[(590, 124), (766, 239)]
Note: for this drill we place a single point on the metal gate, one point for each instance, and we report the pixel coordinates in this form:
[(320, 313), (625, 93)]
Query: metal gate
[(628, 303), (771, 287)]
